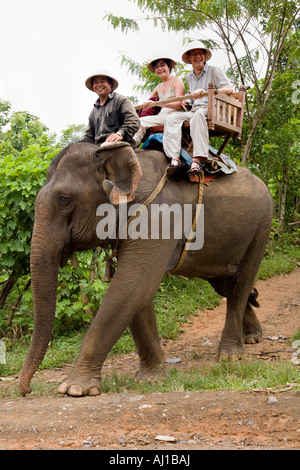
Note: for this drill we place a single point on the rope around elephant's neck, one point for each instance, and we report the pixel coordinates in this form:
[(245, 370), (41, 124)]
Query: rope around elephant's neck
[(150, 198), (143, 206), (149, 201), (196, 216)]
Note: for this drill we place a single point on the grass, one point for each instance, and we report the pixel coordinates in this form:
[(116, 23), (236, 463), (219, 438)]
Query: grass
[(175, 301), (229, 375), (281, 260), (62, 350), (296, 336), (241, 375)]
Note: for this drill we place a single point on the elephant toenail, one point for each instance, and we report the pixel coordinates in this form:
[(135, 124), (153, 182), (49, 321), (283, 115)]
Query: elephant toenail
[(94, 391), (75, 391), (63, 388)]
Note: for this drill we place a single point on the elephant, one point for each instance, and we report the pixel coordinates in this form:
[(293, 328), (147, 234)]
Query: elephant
[(81, 180)]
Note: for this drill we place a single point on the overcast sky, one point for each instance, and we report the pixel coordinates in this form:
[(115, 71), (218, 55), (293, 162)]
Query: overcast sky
[(49, 47)]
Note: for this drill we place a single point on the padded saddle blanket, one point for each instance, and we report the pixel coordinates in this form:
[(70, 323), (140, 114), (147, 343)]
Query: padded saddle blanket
[(156, 140)]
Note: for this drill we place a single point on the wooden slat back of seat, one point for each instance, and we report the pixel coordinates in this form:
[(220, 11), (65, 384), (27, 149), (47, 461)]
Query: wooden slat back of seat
[(224, 113)]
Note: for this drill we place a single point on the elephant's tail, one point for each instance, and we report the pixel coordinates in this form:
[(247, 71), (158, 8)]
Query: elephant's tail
[(252, 299)]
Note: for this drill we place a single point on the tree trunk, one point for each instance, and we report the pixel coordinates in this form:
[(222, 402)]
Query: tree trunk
[(15, 306), (7, 287), (247, 149), (283, 188)]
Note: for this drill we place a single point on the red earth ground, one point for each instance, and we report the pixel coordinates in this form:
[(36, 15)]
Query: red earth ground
[(181, 420)]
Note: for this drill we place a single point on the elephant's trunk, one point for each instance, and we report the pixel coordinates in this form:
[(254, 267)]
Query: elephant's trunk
[(44, 274)]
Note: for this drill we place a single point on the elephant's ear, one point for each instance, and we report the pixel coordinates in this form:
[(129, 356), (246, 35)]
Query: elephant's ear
[(122, 169)]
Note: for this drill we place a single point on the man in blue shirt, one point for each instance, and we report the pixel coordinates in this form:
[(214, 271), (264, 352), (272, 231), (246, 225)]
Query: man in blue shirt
[(202, 74)]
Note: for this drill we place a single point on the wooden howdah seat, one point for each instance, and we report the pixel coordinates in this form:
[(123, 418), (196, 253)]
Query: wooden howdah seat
[(224, 118)]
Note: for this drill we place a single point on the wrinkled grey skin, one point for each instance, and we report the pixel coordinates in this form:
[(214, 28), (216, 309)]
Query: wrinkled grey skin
[(238, 214)]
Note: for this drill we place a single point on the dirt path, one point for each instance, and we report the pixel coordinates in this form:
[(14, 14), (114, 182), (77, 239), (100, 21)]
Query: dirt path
[(172, 421)]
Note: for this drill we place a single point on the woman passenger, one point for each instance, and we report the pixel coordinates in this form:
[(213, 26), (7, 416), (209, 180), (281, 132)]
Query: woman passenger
[(169, 87)]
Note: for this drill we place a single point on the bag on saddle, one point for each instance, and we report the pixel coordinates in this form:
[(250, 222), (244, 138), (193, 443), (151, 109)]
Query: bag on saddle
[(149, 111)]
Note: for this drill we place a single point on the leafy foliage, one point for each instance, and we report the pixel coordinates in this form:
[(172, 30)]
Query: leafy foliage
[(25, 152), (124, 23), (72, 134), (275, 149)]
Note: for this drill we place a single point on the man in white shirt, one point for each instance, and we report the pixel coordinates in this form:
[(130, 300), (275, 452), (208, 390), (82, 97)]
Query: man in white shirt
[(202, 74)]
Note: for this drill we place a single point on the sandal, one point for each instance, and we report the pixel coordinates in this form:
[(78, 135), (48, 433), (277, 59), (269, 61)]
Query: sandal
[(175, 164), (196, 168)]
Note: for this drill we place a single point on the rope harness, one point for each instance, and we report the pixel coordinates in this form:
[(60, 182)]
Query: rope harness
[(143, 207), (195, 220)]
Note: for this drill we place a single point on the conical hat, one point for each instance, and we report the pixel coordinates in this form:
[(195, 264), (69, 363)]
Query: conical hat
[(195, 45), (89, 81), (155, 59)]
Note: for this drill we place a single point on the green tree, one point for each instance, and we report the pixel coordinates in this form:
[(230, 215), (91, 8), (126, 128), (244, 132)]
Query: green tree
[(26, 149), (4, 114), (275, 150), (72, 134)]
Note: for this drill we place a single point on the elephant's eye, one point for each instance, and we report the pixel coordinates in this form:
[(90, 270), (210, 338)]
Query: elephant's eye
[(64, 200)]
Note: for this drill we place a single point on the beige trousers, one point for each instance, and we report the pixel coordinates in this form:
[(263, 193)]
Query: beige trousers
[(198, 129), (151, 121)]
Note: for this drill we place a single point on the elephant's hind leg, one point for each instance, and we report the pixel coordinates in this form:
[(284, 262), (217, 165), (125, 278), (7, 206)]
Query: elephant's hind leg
[(231, 344), (252, 331), (145, 335), (241, 323)]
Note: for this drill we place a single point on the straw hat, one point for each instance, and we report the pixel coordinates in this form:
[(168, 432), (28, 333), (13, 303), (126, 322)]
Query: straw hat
[(89, 81), (155, 59), (195, 45)]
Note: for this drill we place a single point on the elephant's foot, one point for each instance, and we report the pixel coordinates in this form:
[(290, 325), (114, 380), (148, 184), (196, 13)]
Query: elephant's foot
[(252, 338), (252, 331), (230, 351), (80, 386), (150, 374)]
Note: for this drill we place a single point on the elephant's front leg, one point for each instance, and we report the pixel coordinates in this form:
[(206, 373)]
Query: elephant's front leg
[(109, 324), (145, 334), (111, 321), (138, 276)]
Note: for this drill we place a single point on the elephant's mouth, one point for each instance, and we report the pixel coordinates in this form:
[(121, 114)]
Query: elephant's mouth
[(65, 255)]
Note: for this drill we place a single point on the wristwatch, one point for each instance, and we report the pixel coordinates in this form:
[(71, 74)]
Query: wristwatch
[(120, 133)]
